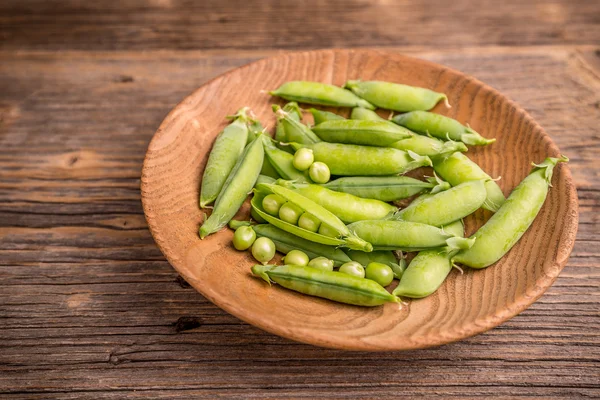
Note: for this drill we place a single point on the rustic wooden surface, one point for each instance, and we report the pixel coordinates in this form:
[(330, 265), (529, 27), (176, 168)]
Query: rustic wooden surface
[(90, 308)]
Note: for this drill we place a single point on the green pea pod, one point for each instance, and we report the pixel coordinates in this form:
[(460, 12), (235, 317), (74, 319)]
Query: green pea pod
[(234, 224), (347, 207), (322, 116), (286, 242), (319, 93), (239, 183), (282, 162), (428, 270), (353, 160), (395, 96), (294, 112), (295, 131), (447, 206), (255, 128), (442, 127), (504, 229), (362, 132), (384, 188), (330, 285), (458, 168), (380, 256), (268, 169), (226, 151), (264, 179), (400, 235)]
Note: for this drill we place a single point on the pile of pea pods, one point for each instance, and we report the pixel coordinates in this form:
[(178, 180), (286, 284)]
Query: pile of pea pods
[(345, 239)]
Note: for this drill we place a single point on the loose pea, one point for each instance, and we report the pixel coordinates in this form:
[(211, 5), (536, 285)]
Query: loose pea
[(321, 263), (303, 159), (353, 268), (272, 203), (326, 230), (290, 213), (263, 250), (243, 237), (309, 222), (395, 96), (296, 257), (319, 172), (319, 93), (379, 273)]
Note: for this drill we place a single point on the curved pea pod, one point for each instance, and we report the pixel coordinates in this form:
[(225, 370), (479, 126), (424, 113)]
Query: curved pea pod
[(347, 207), (386, 257), (395, 96), (295, 131), (447, 206), (282, 161), (294, 112), (239, 183), (361, 132), (322, 116), (286, 242), (458, 168), (344, 238), (319, 93), (428, 270), (226, 151), (330, 285), (442, 127), (400, 235), (354, 160), (384, 188), (504, 229)]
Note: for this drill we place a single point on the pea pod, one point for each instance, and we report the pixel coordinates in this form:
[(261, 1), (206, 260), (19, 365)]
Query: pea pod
[(264, 179), (294, 112), (347, 207), (344, 237), (319, 93), (362, 132), (395, 96), (384, 188), (442, 127), (330, 285), (282, 162), (353, 160), (295, 131), (420, 144), (239, 183), (380, 256), (447, 206), (428, 270), (458, 168), (322, 116), (286, 242), (504, 229), (226, 151), (255, 128), (400, 235)]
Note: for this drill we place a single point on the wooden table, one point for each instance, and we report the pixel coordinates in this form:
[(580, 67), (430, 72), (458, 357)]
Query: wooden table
[(88, 305)]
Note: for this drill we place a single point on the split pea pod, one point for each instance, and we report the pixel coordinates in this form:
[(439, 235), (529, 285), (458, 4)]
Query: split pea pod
[(442, 127), (420, 144), (295, 131), (504, 229), (447, 206), (384, 188), (395, 96), (322, 116), (400, 235), (319, 93), (282, 162), (239, 183), (294, 112), (429, 269), (458, 168), (347, 207), (330, 285), (353, 160), (361, 132), (286, 242), (226, 151), (341, 235)]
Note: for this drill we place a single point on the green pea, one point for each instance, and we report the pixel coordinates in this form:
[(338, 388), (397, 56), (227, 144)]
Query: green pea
[(319, 93), (303, 159), (263, 250), (353, 268), (322, 116), (383, 188), (321, 263), (330, 285), (272, 204), (294, 112), (319, 172), (395, 96), (379, 273), (282, 162), (295, 131), (326, 230), (309, 222), (239, 183), (361, 132), (296, 257), (290, 213), (243, 237), (504, 229), (226, 151)]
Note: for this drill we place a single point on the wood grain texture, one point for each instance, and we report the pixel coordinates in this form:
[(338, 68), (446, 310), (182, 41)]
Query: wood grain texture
[(465, 305), (113, 321)]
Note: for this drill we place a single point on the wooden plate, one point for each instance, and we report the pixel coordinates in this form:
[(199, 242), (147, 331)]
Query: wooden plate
[(466, 304)]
